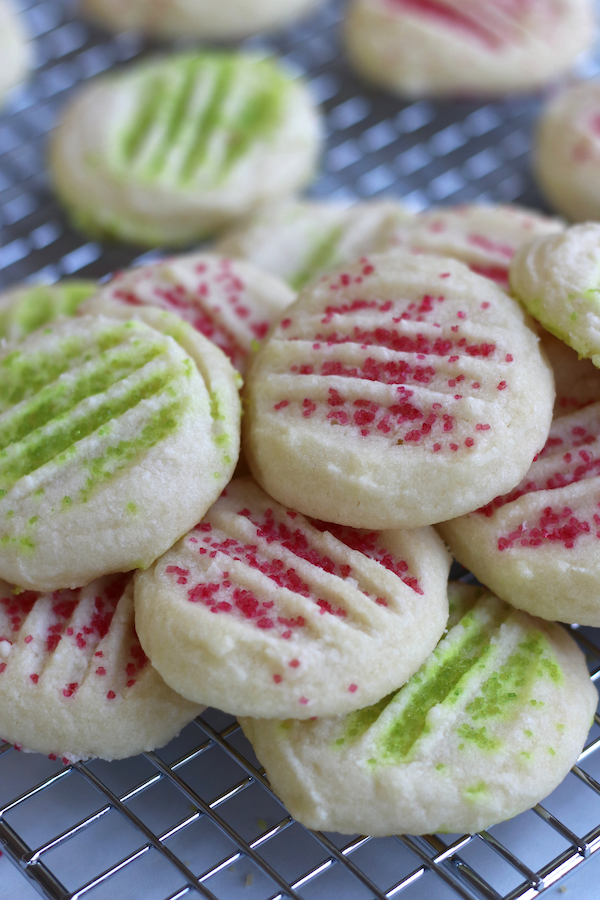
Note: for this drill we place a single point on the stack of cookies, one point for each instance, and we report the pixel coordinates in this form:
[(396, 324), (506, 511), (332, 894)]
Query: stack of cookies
[(402, 399)]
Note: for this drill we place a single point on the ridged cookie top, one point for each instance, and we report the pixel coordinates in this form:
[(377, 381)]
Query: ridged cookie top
[(297, 240), (74, 679), (232, 303), (262, 612), (404, 366), (483, 237), (101, 419), (486, 727), (25, 308)]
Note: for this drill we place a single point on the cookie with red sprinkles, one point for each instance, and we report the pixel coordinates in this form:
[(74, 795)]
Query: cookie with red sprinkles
[(485, 237), (74, 680), (231, 302), (396, 392), (538, 546), (262, 612)]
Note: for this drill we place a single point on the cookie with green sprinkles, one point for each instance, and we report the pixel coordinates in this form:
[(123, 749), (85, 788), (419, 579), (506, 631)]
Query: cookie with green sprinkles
[(116, 436), (489, 725), (262, 612), (556, 279), (176, 148), (299, 239), (27, 307), (74, 680)]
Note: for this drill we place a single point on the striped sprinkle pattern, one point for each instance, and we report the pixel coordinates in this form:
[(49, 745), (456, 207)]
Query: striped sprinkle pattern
[(61, 404), (196, 117)]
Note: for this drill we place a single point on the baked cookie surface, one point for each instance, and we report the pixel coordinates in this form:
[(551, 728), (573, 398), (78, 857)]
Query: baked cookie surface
[(260, 611), (556, 279), (231, 302), (537, 546), (395, 390), (566, 153), (106, 422), (14, 51), (173, 149), (419, 48), (74, 680), (488, 726), (25, 308)]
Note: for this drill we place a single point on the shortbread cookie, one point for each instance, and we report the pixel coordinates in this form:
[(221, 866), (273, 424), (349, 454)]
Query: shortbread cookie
[(297, 240), (577, 380), (116, 438), (231, 302), (490, 724), (420, 48), (14, 51), (27, 307), (175, 148), (74, 680), (484, 237), (395, 390), (262, 612), (537, 546), (567, 151), (556, 280), (206, 19)]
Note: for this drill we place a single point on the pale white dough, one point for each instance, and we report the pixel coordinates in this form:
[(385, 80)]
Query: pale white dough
[(74, 680), (260, 611), (466, 47), (173, 149), (394, 390), (489, 725), (14, 50)]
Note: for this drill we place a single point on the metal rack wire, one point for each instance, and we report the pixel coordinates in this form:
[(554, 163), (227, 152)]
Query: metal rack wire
[(198, 817)]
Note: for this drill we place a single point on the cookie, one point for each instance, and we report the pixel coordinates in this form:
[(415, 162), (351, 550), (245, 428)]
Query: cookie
[(299, 239), (74, 680), (231, 302), (14, 50), (556, 280), (204, 19), (566, 152), (395, 390), (490, 724), (537, 546), (419, 48), (484, 237), (173, 149), (577, 380), (27, 307), (262, 612), (116, 438)]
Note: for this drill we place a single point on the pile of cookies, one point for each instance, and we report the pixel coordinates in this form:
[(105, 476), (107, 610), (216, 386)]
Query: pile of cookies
[(402, 389)]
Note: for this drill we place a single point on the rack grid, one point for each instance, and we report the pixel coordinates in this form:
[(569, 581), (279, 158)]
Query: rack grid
[(198, 819)]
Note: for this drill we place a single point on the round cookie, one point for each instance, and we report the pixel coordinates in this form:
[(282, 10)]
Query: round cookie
[(537, 546), (395, 390), (419, 48), (27, 307), (173, 149), (556, 279), (484, 237), (116, 437), (74, 680), (14, 51), (204, 19), (566, 154), (490, 724), (231, 302), (299, 239), (262, 612)]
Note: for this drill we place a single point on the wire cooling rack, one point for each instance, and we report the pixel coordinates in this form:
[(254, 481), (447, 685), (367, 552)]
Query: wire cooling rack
[(198, 818)]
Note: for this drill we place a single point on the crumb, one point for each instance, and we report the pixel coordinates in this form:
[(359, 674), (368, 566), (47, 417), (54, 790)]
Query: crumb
[(249, 879)]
